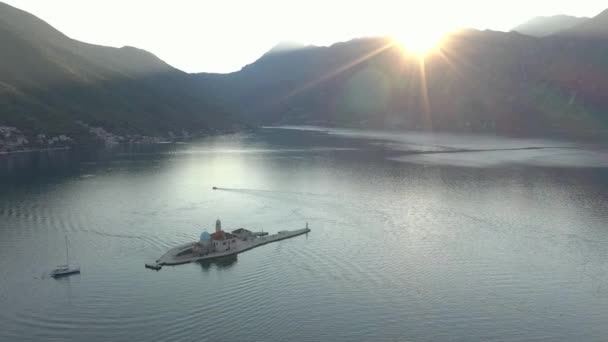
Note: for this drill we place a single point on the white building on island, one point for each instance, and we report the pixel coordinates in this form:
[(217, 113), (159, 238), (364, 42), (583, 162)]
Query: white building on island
[(217, 242)]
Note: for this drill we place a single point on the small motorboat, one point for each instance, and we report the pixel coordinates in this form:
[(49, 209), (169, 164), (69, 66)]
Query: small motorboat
[(65, 270), (214, 188), (154, 266)]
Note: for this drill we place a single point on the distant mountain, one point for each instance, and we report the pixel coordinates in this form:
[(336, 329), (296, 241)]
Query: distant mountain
[(546, 26), (285, 46), (51, 84), (596, 28), (482, 81)]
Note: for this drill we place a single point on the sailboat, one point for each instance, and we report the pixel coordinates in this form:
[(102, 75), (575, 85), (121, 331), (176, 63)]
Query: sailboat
[(65, 270)]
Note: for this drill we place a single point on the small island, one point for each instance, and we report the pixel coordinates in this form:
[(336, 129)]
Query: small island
[(220, 244)]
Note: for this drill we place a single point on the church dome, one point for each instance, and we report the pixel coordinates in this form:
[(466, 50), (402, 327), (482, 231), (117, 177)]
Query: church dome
[(205, 236)]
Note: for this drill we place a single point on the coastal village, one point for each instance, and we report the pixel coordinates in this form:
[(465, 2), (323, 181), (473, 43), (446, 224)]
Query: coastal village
[(14, 140)]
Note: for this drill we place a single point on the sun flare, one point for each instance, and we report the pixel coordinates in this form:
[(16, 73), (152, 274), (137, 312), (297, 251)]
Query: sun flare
[(419, 42)]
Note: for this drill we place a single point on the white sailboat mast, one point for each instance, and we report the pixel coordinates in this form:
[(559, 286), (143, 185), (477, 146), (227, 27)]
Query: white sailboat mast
[(67, 255)]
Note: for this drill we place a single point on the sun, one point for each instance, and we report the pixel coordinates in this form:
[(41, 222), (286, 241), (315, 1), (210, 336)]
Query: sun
[(420, 42)]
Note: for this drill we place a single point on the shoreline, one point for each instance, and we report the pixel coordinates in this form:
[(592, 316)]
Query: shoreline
[(46, 149), (599, 136), (160, 141)]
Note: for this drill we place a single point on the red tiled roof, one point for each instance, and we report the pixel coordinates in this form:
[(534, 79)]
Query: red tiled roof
[(218, 235)]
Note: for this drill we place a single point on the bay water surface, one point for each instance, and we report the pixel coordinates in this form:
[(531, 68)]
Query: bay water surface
[(415, 237)]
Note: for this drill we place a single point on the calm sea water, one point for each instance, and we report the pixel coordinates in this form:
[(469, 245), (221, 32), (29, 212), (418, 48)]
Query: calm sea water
[(414, 238)]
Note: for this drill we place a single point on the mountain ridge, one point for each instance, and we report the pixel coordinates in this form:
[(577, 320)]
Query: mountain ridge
[(543, 26), (479, 81), (594, 28), (483, 81), (53, 85)]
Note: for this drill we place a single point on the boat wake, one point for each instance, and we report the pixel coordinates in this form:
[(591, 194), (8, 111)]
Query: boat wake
[(269, 192)]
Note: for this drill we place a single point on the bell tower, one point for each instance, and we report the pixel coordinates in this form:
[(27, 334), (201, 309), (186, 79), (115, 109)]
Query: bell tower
[(218, 226)]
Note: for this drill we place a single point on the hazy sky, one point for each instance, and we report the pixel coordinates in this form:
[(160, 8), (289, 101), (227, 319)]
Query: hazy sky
[(224, 35)]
